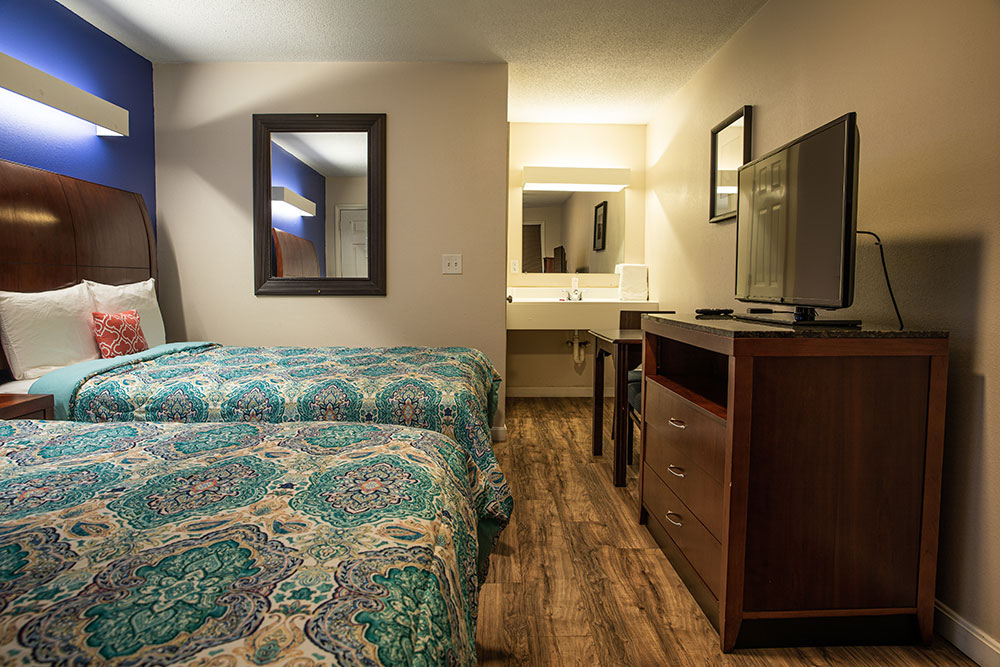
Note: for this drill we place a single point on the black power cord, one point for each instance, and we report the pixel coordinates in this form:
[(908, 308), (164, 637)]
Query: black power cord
[(885, 270)]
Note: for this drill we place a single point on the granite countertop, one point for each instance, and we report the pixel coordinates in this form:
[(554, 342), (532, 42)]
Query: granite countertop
[(734, 328)]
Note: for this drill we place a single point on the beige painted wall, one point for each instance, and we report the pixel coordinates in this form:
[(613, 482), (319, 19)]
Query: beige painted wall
[(540, 363), (447, 146), (923, 76), (344, 190), (579, 223), (576, 145)]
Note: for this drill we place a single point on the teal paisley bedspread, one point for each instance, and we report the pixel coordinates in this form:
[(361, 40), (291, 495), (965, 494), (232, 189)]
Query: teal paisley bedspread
[(223, 544), (452, 390)]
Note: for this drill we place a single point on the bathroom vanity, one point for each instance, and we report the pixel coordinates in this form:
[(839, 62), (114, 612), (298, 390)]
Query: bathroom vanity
[(551, 308)]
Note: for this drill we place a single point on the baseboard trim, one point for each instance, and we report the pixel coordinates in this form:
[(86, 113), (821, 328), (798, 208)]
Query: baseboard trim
[(500, 433), (555, 392), (966, 637)]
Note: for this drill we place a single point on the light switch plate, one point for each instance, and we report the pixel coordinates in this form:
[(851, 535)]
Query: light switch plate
[(451, 263), (515, 266)]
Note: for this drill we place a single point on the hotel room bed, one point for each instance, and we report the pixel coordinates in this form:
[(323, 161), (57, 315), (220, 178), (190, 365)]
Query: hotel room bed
[(449, 390), (238, 543), (103, 236)]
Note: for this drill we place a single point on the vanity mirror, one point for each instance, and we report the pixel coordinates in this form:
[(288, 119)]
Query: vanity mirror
[(319, 203), (558, 232)]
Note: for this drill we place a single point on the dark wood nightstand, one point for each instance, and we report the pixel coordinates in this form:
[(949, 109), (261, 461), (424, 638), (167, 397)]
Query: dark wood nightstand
[(26, 406)]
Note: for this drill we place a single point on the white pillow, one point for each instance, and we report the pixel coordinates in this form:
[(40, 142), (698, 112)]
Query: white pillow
[(140, 297), (42, 331)]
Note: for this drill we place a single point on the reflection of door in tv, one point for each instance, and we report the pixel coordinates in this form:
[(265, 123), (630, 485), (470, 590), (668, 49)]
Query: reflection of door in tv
[(768, 247), (353, 243)]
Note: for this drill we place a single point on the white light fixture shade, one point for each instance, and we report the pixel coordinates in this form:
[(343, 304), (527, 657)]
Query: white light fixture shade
[(23, 79), (283, 197), (576, 179)]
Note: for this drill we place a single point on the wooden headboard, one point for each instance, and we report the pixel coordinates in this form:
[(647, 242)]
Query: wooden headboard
[(294, 256), (56, 230)]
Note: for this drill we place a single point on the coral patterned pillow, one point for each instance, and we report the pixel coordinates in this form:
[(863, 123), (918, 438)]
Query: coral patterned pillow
[(119, 334)]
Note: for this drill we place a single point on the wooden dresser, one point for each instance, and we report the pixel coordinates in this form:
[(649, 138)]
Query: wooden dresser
[(793, 476)]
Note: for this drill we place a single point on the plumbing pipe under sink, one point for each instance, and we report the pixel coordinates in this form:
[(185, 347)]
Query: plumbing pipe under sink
[(578, 345)]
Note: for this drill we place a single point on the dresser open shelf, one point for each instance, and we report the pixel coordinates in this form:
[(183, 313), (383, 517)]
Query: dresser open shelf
[(792, 477)]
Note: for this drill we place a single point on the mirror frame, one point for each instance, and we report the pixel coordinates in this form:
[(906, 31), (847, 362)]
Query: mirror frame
[(746, 113), (371, 123)]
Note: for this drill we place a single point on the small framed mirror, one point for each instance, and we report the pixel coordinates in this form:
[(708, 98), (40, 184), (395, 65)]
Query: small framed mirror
[(319, 204), (731, 149)]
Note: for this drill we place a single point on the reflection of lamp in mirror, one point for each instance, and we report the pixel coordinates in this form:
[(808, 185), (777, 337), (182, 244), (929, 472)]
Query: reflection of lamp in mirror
[(289, 202), (576, 179)]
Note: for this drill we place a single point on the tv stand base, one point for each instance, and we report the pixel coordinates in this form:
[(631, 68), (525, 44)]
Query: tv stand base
[(837, 324)]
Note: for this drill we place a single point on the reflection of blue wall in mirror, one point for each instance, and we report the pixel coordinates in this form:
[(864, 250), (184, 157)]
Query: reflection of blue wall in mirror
[(49, 37), (290, 172)]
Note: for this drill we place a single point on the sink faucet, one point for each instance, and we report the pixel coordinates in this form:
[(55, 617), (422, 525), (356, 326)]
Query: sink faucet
[(574, 294)]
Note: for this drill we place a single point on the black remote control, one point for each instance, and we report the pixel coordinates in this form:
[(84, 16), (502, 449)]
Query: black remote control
[(713, 311)]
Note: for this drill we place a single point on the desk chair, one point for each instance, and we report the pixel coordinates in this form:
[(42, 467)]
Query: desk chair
[(632, 319)]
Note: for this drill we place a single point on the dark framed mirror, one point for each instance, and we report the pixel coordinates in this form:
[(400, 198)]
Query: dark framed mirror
[(731, 149), (319, 204)]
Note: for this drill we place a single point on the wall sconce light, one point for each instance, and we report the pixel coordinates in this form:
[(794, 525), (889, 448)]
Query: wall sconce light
[(576, 179), (25, 80), (290, 202)]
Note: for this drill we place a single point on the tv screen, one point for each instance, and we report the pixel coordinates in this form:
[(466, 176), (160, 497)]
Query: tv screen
[(796, 220)]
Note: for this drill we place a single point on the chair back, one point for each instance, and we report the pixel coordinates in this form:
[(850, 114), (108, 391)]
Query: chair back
[(632, 319)]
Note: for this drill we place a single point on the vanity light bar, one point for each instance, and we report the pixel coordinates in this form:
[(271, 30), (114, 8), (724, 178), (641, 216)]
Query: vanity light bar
[(299, 204), (576, 179), (23, 79)]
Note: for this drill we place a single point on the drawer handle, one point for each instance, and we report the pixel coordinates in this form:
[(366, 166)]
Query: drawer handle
[(676, 471), (676, 423), (679, 524)]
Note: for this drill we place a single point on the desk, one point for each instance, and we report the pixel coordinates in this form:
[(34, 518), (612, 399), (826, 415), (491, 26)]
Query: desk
[(626, 347)]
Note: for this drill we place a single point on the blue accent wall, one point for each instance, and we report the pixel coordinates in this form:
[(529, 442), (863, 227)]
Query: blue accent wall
[(290, 172), (49, 37)]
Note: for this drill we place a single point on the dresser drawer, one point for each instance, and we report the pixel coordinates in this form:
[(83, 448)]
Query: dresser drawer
[(703, 551), (690, 430), (695, 487)]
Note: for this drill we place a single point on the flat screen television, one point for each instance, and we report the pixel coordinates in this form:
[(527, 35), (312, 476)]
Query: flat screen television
[(796, 223)]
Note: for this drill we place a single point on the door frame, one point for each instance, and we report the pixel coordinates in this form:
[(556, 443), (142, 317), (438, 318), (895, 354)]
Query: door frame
[(333, 233)]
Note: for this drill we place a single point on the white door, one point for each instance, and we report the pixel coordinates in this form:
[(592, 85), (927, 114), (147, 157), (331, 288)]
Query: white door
[(353, 243)]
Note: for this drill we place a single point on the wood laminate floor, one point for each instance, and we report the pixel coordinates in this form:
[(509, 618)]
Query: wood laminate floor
[(575, 580)]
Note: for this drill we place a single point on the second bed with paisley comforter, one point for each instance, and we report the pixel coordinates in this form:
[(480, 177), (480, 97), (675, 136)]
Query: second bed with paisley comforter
[(452, 390), (221, 544)]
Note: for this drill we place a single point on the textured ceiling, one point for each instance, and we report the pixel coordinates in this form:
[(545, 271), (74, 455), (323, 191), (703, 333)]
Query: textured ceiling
[(568, 60)]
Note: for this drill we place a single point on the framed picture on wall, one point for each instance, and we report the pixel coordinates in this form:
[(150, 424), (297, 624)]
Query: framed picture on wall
[(730, 150), (600, 225)]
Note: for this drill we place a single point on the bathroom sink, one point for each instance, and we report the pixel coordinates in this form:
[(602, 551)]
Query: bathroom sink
[(563, 300), (548, 308), (561, 295)]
